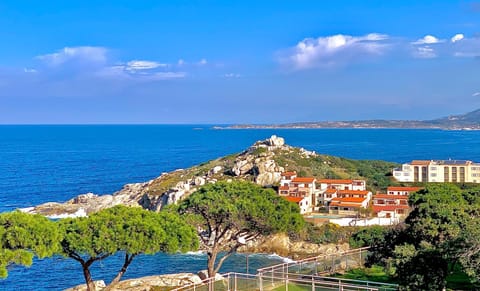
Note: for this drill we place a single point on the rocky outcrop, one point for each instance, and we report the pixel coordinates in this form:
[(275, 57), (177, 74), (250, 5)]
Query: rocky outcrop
[(84, 204), (147, 283), (99, 285), (257, 163), (281, 244)]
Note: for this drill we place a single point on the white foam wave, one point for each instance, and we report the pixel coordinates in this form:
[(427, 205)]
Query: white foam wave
[(197, 253), (284, 259), (26, 209)]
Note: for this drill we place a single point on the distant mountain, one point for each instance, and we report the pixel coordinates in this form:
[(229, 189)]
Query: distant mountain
[(467, 121), (470, 119)]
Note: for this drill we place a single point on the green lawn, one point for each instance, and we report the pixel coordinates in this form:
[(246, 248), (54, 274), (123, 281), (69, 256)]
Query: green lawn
[(375, 273), (458, 280), (293, 287)]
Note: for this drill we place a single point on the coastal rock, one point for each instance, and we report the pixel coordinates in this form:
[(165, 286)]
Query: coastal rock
[(149, 282), (100, 284), (275, 141), (203, 274), (215, 170), (281, 245), (243, 166), (199, 181), (84, 204)]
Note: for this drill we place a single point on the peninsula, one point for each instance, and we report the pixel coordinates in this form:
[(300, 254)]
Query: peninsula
[(467, 121), (263, 163)]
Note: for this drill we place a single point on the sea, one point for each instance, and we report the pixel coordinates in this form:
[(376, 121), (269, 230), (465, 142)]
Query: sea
[(43, 163)]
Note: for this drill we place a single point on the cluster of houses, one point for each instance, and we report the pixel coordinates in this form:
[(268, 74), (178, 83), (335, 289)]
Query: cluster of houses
[(344, 197)]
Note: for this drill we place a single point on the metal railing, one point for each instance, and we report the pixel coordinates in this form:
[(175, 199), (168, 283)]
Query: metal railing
[(258, 282), (303, 275), (320, 265)]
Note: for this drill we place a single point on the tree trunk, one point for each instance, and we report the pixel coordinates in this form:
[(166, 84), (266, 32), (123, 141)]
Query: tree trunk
[(211, 263), (126, 263), (88, 277)]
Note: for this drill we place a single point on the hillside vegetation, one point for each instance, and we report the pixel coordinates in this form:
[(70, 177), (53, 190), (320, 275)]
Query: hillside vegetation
[(285, 158)]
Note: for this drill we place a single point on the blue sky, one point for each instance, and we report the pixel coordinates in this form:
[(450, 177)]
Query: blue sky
[(237, 61)]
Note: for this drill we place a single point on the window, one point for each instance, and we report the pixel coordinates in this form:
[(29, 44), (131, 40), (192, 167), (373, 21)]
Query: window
[(406, 174), (433, 174), (433, 168), (398, 174)]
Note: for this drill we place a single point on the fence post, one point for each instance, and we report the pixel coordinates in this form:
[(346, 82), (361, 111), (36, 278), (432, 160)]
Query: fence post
[(235, 282), (260, 278)]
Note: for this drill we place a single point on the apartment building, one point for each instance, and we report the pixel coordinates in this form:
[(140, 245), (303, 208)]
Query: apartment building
[(455, 171)]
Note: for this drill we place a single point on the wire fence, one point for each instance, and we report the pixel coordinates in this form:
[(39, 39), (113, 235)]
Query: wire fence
[(245, 282), (305, 275), (320, 265)]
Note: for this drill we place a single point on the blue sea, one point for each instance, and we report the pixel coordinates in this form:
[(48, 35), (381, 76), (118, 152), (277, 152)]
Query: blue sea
[(54, 163)]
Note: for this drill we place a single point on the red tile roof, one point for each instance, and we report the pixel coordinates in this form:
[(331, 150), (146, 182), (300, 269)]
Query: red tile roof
[(284, 188), (293, 199), (378, 208), (291, 173), (356, 192), (303, 180), (331, 191), (355, 205), (409, 189), (336, 181), (349, 199), (390, 196), (420, 163)]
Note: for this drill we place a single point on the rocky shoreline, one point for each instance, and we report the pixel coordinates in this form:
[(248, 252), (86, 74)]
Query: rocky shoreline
[(257, 164)]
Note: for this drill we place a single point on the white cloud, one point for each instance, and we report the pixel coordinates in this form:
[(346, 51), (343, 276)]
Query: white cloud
[(82, 53), (476, 94), (467, 47), (137, 65), (425, 52), (90, 61), (457, 37), (428, 39), (29, 70), (232, 75), (331, 50)]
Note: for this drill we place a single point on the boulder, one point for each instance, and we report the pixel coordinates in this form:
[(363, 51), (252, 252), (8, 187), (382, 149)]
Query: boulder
[(199, 181), (204, 275), (242, 167), (215, 170), (100, 284), (275, 141)]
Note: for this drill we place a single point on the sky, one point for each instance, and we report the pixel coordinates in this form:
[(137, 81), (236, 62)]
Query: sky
[(224, 62)]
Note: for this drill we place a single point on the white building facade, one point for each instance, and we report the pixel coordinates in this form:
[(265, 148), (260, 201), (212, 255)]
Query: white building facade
[(455, 171)]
